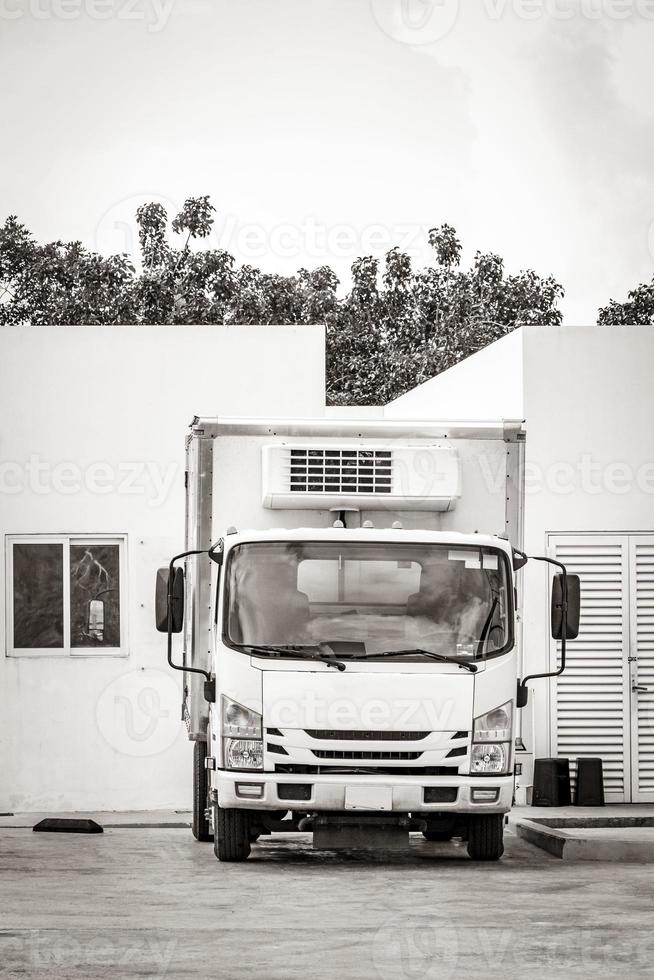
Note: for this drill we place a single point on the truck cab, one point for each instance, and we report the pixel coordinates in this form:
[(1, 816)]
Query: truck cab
[(365, 672)]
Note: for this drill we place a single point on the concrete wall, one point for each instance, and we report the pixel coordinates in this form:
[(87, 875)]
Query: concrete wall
[(486, 385), (589, 405), (78, 403)]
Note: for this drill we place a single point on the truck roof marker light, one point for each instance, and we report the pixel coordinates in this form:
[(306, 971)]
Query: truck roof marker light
[(367, 524), (231, 530), (338, 524), (397, 526)]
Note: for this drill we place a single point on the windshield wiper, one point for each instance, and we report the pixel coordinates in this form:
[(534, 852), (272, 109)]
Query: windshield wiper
[(298, 652), (486, 627), (417, 651)]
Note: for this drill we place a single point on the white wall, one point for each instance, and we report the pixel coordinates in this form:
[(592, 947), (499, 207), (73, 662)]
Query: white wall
[(589, 405), (486, 385), (104, 733)]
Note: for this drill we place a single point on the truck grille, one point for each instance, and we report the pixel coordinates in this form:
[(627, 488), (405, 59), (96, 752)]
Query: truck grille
[(291, 768), (328, 750), (368, 756), (367, 736)]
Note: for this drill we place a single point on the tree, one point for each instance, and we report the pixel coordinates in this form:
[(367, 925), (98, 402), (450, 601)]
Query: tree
[(638, 308), (61, 283), (384, 336), (383, 342)]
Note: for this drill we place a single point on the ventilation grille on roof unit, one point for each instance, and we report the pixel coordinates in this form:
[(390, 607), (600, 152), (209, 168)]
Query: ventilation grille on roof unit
[(340, 471)]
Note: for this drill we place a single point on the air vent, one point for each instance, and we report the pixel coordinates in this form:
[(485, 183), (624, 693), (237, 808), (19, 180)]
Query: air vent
[(372, 477), (340, 471), (441, 794), (367, 756), (349, 735), (294, 791), (292, 768)]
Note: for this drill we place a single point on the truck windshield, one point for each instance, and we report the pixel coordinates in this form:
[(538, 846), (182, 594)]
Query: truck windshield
[(364, 599)]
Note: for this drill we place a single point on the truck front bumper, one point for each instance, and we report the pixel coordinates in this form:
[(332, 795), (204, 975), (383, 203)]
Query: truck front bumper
[(275, 791)]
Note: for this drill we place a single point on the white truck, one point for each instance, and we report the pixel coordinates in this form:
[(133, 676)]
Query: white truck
[(348, 601)]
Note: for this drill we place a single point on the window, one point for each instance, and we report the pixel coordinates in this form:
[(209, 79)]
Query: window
[(66, 595), (364, 599)]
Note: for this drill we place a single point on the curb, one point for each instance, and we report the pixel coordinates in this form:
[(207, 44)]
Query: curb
[(552, 837)]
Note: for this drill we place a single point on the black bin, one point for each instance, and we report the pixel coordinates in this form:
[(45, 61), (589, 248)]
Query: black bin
[(551, 782), (590, 783)]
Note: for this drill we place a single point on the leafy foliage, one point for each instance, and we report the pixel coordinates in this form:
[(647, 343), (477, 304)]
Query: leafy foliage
[(390, 332), (637, 310)]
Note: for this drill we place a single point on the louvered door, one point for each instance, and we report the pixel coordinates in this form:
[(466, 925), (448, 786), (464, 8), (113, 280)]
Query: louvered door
[(591, 700), (603, 705), (641, 568)]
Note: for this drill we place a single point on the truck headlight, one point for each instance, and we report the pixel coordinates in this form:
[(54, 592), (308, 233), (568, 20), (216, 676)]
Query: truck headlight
[(241, 729), (495, 725), (491, 741), (238, 721), (491, 758), (243, 753)]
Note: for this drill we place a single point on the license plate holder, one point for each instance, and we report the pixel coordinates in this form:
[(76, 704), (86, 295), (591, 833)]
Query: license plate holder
[(368, 798)]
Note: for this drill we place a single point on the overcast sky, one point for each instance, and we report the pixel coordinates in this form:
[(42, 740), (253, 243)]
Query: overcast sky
[(324, 129)]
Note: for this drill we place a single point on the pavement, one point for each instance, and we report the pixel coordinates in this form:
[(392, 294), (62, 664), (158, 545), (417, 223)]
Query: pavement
[(146, 900)]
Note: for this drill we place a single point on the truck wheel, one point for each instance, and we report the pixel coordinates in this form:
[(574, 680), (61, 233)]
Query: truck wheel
[(486, 837), (437, 835), (200, 824), (231, 837)]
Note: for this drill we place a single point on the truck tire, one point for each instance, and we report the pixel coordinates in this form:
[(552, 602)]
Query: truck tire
[(200, 824), (231, 838), (486, 837), (436, 835)]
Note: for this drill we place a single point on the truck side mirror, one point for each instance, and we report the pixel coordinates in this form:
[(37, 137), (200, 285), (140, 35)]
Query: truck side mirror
[(522, 696), (573, 611), (161, 600)]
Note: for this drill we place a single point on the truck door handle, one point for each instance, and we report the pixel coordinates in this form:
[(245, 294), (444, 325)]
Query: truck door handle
[(639, 688)]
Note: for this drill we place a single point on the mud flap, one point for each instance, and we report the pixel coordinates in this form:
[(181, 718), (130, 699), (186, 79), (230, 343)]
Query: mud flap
[(332, 833)]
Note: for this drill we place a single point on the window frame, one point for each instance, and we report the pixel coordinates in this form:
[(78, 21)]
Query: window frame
[(67, 650)]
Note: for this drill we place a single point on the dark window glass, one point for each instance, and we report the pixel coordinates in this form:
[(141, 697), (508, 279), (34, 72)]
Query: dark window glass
[(94, 595), (38, 573)]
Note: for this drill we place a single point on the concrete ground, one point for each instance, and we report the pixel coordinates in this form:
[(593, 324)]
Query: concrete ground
[(145, 900)]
